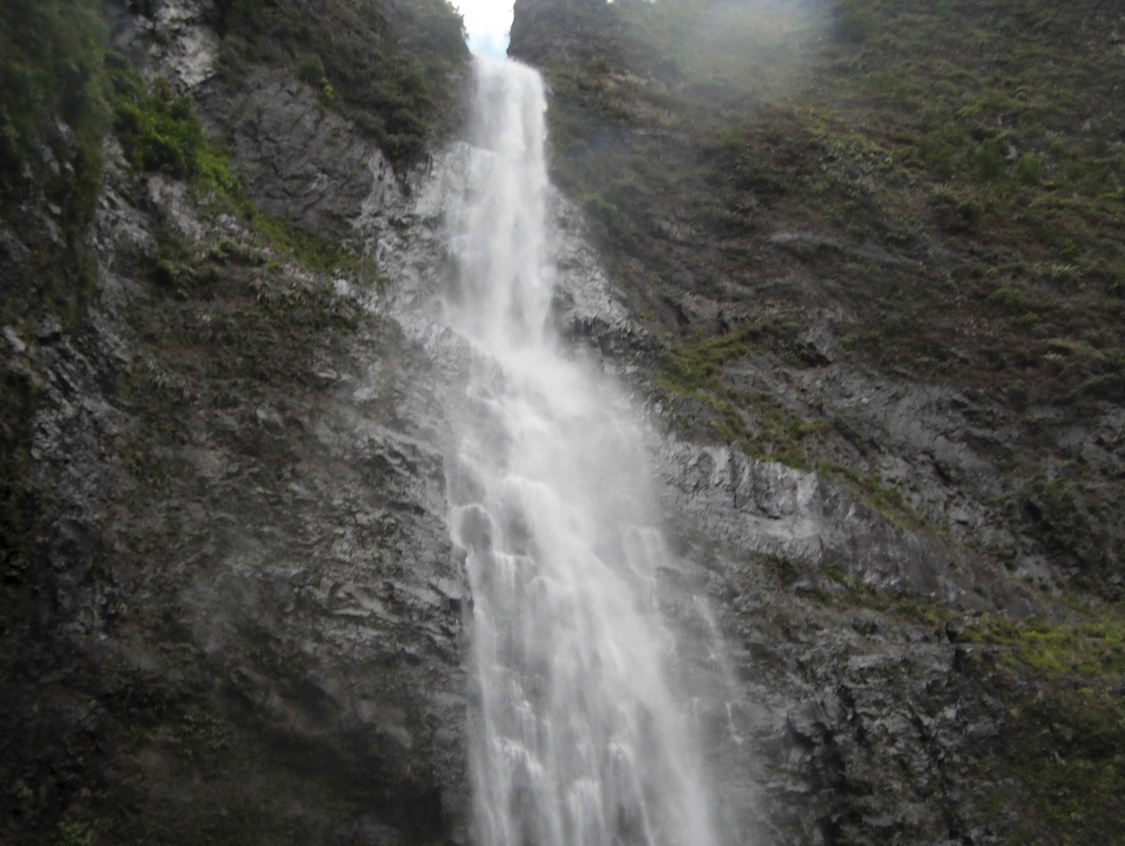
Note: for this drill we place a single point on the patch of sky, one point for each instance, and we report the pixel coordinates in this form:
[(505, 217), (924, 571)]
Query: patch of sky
[(487, 23)]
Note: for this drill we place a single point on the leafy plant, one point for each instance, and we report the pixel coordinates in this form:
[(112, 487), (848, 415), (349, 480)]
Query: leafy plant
[(160, 132)]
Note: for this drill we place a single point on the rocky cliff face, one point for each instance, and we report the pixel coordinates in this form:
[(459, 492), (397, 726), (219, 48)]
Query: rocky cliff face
[(243, 620), (232, 610), (877, 474)]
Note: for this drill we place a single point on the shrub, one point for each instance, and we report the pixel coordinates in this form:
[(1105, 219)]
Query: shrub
[(1028, 169), (158, 132)]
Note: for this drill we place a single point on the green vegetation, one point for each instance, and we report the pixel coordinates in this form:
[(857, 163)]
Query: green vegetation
[(51, 71), (940, 185), (884, 498), (1062, 748), (60, 92), (310, 250), (159, 132), (1093, 649), (53, 114), (697, 366), (876, 119), (907, 124), (1054, 770), (760, 426), (393, 68), (1074, 523)]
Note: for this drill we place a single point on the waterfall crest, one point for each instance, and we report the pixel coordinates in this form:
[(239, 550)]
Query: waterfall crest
[(577, 738)]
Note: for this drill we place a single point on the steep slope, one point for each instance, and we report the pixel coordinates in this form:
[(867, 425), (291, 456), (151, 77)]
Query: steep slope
[(872, 251), (230, 608), (896, 188), (866, 276)]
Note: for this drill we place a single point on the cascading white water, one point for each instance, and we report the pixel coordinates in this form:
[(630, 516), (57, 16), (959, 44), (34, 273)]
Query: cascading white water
[(578, 739)]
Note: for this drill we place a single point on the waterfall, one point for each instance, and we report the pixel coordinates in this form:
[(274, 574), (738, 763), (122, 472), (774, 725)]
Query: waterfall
[(578, 738)]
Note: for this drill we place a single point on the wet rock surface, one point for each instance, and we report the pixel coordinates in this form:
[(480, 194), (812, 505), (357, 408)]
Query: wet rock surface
[(248, 624)]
